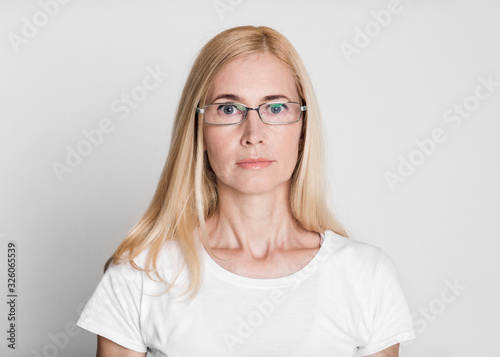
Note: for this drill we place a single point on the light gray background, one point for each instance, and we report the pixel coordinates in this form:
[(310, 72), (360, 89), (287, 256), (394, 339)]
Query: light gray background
[(438, 225)]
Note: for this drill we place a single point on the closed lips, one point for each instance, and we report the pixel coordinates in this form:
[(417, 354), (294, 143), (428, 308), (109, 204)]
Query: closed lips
[(253, 160)]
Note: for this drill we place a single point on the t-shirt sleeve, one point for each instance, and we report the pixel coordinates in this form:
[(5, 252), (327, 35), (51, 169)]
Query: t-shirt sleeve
[(113, 311), (392, 321)]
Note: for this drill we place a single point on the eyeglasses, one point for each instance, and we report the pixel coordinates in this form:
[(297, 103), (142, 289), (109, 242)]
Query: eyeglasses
[(235, 113)]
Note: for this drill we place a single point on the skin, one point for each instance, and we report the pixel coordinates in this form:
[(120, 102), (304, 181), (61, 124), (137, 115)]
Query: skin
[(253, 228), (108, 348)]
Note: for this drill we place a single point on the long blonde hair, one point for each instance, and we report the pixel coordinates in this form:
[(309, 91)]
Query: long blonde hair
[(187, 191)]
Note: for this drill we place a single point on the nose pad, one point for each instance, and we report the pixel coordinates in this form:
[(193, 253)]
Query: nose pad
[(250, 113)]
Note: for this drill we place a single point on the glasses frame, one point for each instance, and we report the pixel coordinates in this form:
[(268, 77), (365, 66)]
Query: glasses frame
[(303, 108)]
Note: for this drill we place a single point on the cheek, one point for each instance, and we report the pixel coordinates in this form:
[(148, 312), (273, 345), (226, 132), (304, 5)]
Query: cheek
[(217, 152), (291, 142), (216, 158), (293, 160), (288, 151)]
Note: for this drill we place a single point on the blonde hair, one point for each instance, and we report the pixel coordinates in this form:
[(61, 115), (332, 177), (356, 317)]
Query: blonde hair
[(187, 191)]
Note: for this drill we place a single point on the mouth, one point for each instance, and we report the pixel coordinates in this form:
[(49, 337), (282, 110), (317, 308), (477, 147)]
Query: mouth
[(254, 163), (253, 160)]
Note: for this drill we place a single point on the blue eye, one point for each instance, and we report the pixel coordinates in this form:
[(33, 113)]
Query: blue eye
[(229, 109), (277, 108)]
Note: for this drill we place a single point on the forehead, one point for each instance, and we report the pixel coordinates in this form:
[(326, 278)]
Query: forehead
[(253, 77)]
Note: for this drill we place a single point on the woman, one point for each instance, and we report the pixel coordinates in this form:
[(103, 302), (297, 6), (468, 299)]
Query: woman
[(239, 221)]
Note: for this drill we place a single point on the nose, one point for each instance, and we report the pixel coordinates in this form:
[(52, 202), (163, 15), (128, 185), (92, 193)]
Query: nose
[(253, 129)]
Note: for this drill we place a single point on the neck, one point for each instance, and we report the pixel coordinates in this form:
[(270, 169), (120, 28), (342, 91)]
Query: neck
[(258, 225)]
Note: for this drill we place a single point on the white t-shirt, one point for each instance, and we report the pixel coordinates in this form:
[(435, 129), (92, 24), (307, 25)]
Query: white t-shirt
[(347, 301)]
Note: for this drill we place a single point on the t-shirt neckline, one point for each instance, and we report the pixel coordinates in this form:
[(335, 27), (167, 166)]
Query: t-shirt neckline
[(240, 280)]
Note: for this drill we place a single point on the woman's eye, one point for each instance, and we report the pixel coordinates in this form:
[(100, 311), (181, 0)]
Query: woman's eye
[(277, 108), (229, 109)]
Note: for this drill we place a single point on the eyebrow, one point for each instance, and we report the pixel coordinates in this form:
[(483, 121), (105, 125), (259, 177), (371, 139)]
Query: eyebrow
[(237, 98)]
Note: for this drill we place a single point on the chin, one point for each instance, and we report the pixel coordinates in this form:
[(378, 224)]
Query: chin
[(257, 186)]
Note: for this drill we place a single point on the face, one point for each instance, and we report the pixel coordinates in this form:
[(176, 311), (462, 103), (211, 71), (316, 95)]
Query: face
[(253, 80)]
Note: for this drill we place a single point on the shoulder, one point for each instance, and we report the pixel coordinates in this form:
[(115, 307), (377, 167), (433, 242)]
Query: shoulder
[(361, 260), (170, 265), (169, 254), (169, 258)]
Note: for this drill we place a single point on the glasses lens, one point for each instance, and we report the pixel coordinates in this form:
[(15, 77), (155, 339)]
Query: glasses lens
[(227, 113), (280, 113)]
